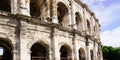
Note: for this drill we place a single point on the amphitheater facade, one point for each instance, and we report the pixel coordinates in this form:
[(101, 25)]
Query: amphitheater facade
[(48, 30)]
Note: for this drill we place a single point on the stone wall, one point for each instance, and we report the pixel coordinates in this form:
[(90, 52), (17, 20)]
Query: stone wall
[(77, 31)]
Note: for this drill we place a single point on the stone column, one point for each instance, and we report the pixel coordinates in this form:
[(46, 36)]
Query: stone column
[(70, 16), (73, 56), (24, 8), (87, 50), (14, 6), (75, 52), (54, 50), (15, 55), (54, 11), (48, 8), (100, 50), (50, 55), (56, 53), (94, 51), (73, 16), (24, 50), (84, 20)]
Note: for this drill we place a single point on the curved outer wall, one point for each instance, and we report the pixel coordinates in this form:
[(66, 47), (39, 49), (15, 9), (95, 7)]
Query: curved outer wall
[(76, 29)]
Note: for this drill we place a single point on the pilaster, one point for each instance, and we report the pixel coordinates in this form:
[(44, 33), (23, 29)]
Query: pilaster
[(48, 8), (75, 52), (15, 55), (14, 5), (24, 8), (24, 50), (54, 11), (87, 50), (73, 16)]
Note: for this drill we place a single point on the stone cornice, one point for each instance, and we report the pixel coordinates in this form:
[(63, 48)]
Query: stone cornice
[(43, 23)]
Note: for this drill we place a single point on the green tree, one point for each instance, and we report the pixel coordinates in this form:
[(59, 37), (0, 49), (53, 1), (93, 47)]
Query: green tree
[(110, 53)]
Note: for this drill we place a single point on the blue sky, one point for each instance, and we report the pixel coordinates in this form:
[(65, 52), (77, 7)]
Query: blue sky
[(108, 13), (1, 51)]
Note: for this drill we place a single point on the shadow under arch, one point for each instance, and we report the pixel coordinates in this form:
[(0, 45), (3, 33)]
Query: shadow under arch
[(82, 55), (65, 53), (7, 47), (5, 5), (38, 8), (78, 19), (39, 51), (62, 13), (91, 54)]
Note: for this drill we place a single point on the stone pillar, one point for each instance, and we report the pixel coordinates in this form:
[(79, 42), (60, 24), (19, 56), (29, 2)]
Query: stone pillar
[(101, 54), (56, 53), (24, 8), (50, 55), (84, 20), (54, 50), (48, 8), (75, 50), (24, 50), (72, 56), (15, 55), (25, 55), (87, 50), (69, 16), (94, 51), (14, 6), (54, 11), (73, 16)]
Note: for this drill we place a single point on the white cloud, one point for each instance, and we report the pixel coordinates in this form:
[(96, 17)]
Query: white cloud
[(111, 37), (105, 14)]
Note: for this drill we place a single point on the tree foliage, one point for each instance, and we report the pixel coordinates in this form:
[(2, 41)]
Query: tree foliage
[(110, 53)]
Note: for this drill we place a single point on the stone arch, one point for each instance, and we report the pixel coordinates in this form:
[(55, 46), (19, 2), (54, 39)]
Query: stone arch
[(65, 52), (40, 50), (78, 19), (42, 40), (62, 14), (7, 47), (82, 55), (5, 5), (91, 55), (38, 8)]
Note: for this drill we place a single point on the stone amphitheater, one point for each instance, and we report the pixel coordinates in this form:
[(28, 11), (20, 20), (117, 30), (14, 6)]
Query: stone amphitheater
[(48, 30)]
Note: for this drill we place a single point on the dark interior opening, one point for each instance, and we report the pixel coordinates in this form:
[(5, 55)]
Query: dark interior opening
[(7, 51), (38, 52), (77, 18), (62, 10), (35, 8), (65, 53), (81, 54), (91, 54), (5, 5)]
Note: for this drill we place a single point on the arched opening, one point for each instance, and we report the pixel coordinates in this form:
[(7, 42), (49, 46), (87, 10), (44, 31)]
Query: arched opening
[(81, 54), (65, 53), (34, 8), (88, 26), (78, 20), (91, 54), (38, 8), (6, 50), (39, 52), (62, 12), (5, 5)]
